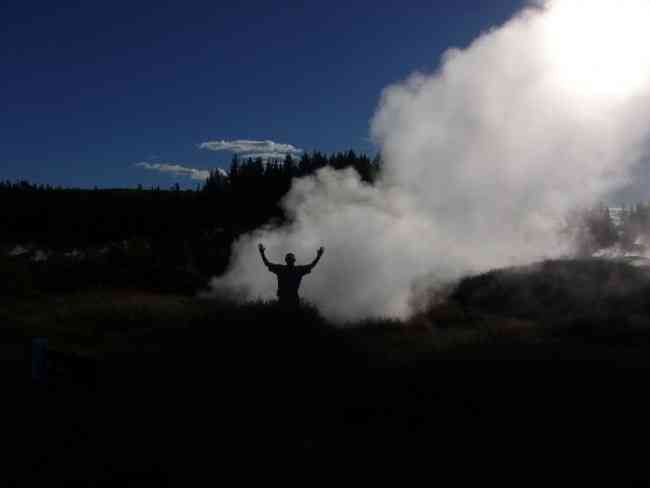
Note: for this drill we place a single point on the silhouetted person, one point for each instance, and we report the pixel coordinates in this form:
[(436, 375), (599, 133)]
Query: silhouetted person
[(289, 276)]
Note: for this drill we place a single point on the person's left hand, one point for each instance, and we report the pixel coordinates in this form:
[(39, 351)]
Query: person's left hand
[(321, 251)]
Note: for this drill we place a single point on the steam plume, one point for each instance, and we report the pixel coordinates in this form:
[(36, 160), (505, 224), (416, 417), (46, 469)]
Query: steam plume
[(483, 158)]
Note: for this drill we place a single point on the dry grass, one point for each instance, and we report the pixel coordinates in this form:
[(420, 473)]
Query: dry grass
[(95, 321)]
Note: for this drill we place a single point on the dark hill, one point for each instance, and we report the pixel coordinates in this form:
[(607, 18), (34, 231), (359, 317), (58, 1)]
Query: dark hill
[(558, 289)]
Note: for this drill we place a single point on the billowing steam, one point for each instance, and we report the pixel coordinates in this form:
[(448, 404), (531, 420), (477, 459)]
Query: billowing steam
[(483, 158)]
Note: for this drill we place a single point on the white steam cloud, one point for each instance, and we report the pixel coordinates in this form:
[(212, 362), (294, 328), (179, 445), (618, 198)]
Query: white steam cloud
[(483, 158)]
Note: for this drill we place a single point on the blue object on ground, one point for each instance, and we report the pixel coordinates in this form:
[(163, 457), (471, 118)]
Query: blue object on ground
[(39, 359)]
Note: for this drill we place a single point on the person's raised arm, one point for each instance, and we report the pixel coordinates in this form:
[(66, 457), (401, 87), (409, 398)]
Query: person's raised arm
[(266, 261), (318, 256)]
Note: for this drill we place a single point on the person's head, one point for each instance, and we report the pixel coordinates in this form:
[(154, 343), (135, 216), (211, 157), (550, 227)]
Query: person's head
[(290, 259)]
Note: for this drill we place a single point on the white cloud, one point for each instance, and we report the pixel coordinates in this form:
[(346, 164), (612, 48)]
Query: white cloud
[(178, 170), (253, 149), (264, 155)]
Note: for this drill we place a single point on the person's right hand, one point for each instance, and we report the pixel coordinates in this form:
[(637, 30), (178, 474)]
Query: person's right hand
[(261, 248)]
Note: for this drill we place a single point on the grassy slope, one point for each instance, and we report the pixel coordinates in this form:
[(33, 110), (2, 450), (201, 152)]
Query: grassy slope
[(177, 373), (567, 304)]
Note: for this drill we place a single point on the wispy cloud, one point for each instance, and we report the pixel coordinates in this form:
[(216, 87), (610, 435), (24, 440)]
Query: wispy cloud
[(253, 149), (178, 170), (265, 155)]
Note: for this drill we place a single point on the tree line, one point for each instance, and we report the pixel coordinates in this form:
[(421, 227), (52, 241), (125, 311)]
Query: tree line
[(175, 223), (128, 234), (602, 227)]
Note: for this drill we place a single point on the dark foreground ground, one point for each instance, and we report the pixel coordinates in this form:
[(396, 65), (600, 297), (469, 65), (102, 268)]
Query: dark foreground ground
[(156, 390)]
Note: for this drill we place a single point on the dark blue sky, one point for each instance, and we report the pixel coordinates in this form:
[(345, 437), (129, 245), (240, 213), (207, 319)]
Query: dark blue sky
[(91, 88)]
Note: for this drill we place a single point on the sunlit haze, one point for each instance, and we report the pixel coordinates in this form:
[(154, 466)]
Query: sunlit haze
[(599, 47)]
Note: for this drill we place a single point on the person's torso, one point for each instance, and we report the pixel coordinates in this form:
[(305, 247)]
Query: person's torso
[(289, 279)]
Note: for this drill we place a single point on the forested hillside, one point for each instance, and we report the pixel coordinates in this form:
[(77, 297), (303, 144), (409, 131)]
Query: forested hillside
[(119, 235), (174, 239)]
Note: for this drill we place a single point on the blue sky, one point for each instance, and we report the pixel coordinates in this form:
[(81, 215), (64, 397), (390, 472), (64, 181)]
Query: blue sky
[(89, 89)]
